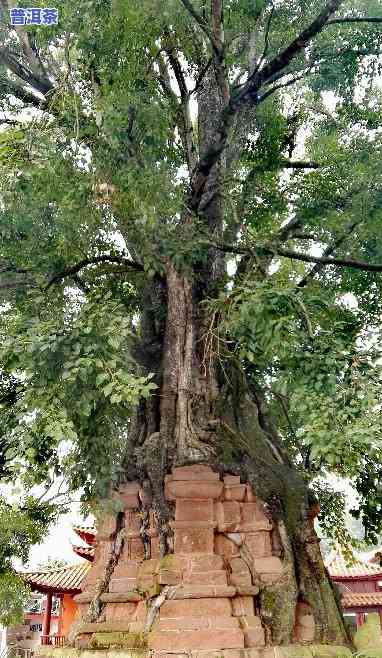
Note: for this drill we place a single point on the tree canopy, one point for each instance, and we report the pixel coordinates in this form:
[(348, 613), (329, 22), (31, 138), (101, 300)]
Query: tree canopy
[(103, 151)]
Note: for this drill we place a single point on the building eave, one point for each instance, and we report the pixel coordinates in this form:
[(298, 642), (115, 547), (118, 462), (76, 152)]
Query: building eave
[(67, 580), (366, 576)]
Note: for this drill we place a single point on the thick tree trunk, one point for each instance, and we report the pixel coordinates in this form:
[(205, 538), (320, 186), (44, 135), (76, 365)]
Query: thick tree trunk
[(207, 420), (205, 412), (204, 417)]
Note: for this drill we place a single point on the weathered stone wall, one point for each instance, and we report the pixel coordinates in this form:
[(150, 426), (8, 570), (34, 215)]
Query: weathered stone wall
[(292, 651), (201, 598)]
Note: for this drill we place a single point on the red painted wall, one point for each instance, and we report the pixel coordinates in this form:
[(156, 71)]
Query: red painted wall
[(68, 613), (358, 585)]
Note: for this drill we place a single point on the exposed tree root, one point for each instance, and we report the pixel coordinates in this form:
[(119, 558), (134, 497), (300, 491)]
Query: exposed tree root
[(96, 606)]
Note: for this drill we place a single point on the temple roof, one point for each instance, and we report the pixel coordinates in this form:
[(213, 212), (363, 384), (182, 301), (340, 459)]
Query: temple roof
[(339, 567), (86, 552), (374, 556), (64, 580), (361, 599), (86, 533)]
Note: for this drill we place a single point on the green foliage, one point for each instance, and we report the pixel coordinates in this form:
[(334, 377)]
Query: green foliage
[(367, 639), (50, 564), (80, 387), (70, 377), (333, 521), (21, 526), (368, 483), (13, 596), (303, 346), (11, 147)]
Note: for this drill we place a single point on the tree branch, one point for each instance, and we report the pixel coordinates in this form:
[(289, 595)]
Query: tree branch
[(329, 251), (300, 164), (322, 260), (15, 285), (249, 96), (300, 235), (218, 48), (10, 87), (277, 165), (283, 85), (29, 50), (9, 122), (198, 19), (306, 258), (282, 164), (182, 107), (266, 43), (339, 204), (165, 80), (11, 62), (86, 262), (354, 19), (283, 59), (177, 69), (200, 77), (217, 24), (284, 407), (9, 269)]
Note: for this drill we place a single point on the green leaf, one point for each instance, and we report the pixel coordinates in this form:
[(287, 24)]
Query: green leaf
[(108, 389), (102, 377)]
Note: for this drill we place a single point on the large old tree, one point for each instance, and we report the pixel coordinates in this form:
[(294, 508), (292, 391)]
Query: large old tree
[(190, 259)]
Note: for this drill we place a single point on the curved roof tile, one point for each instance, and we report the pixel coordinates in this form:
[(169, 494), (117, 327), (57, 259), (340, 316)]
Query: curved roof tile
[(339, 567), (364, 599), (86, 552), (66, 579), (86, 533)]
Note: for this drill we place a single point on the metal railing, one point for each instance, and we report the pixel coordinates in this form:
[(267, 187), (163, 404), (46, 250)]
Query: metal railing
[(13, 651), (55, 640), (45, 639), (24, 653), (16, 652)]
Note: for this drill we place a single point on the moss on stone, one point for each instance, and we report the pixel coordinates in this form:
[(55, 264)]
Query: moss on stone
[(127, 653), (268, 599), (295, 651), (61, 652), (369, 635), (327, 651), (314, 651), (167, 562), (120, 640), (291, 651), (57, 652), (270, 480)]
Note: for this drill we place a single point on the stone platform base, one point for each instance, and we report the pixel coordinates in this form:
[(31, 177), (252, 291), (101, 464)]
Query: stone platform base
[(201, 600), (292, 651)]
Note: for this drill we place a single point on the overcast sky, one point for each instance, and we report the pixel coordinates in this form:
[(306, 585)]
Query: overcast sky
[(58, 544)]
